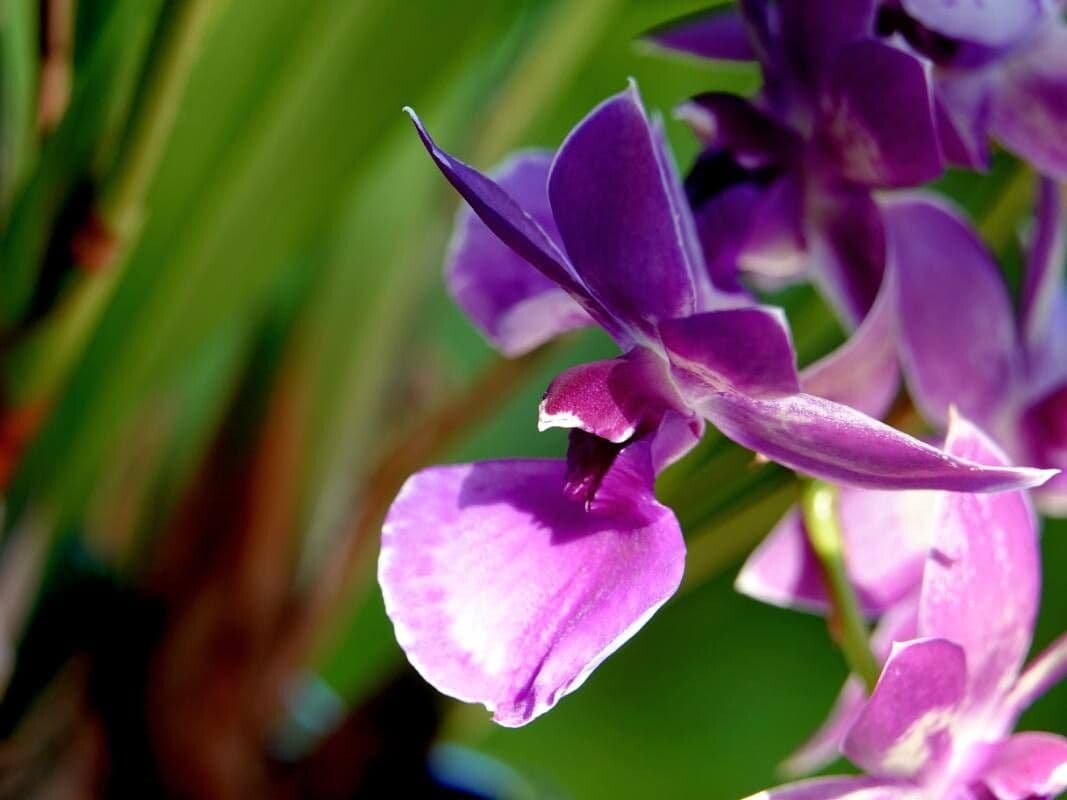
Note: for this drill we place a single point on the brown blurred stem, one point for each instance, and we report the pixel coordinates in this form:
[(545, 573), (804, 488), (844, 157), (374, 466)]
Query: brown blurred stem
[(57, 43)]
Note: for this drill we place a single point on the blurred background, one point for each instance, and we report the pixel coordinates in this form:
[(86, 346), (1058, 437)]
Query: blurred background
[(225, 342)]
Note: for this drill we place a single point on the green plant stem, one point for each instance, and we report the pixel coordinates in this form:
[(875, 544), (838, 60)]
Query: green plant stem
[(819, 504), (123, 197)]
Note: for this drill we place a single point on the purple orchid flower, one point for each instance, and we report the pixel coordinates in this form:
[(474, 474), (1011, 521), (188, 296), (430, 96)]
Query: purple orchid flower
[(1000, 70), (962, 343), (509, 581), (784, 187), (939, 721)]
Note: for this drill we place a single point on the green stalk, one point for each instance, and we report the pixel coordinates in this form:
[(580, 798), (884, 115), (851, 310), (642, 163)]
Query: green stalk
[(123, 197), (819, 504), (44, 359)]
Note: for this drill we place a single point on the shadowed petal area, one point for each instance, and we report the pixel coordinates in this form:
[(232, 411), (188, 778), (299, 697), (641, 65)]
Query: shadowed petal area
[(722, 225), (887, 536), (990, 22), (718, 33), (981, 591), (1029, 107), (617, 217), (1028, 765), (516, 228), (957, 327), (504, 591), (514, 304), (905, 728), (728, 122), (862, 372), (879, 121), (847, 242), (611, 399), (839, 444), (812, 32), (740, 350), (1043, 286), (850, 788)]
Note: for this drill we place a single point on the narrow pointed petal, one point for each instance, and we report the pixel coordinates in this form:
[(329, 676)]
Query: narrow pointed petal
[(983, 578), (1046, 262), (824, 746), (706, 295), (887, 536), (1044, 672), (719, 34), (887, 136), (617, 217), (611, 399), (862, 372), (957, 328), (513, 303), (962, 103), (841, 788), (1029, 107), (905, 728), (505, 592), (838, 444), (990, 22), (1028, 765), (745, 350), (516, 228)]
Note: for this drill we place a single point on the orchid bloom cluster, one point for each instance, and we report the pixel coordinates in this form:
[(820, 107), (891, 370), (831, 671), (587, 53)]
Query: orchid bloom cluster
[(509, 581)]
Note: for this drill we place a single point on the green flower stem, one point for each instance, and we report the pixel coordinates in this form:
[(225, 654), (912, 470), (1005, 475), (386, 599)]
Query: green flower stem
[(819, 503), (153, 120)]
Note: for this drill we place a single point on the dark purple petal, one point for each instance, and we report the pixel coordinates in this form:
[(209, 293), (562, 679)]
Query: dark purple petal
[(905, 729), (824, 747), (841, 788), (887, 536), (513, 303), (505, 592), (722, 225), (1043, 431), (776, 249), (708, 296), (983, 578), (746, 350), (516, 228), (617, 216), (863, 372), (718, 33), (611, 399), (1043, 286), (1029, 106), (991, 22), (1028, 765), (878, 117), (812, 33), (841, 445), (957, 329), (848, 250), (733, 124)]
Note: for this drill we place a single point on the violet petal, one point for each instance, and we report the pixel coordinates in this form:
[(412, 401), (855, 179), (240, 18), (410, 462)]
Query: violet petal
[(514, 304), (905, 729), (505, 592)]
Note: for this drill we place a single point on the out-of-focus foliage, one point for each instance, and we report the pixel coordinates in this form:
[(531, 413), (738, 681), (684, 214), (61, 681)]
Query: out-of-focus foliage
[(211, 383)]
